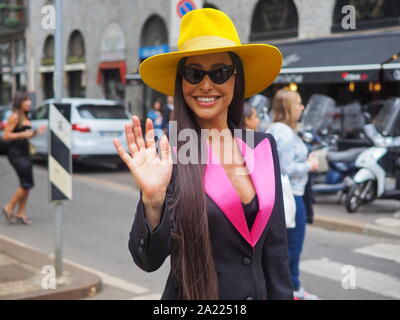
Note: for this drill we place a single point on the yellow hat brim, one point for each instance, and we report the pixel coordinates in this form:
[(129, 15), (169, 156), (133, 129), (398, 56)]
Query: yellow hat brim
[(261, 63)]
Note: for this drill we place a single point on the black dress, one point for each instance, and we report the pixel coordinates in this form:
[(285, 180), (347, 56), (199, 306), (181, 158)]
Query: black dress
[(250, 211), (19, 157)]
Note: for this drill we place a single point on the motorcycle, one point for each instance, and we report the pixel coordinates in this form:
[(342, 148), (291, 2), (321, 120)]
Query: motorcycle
[(262, 105), (335, 166), (349, 120), (379, 161)]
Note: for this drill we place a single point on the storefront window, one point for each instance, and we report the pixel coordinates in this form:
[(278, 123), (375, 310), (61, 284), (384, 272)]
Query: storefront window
[(113, 87), (210, 5), (112, 69), (20, 52), (75, 87), (48, 87), (369, 14), (5, 53), (5, 77), (5, 89), (48, 51), (21, 81), (273, 19), (12, 14), (76, 48), (154, 35), (76, 55), (154, 32), (48, 59)]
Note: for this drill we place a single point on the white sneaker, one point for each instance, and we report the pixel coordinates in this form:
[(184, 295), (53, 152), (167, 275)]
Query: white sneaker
[(301, 294)]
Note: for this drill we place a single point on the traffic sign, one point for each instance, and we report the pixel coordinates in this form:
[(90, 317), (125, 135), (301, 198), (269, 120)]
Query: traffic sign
[(184, 6)]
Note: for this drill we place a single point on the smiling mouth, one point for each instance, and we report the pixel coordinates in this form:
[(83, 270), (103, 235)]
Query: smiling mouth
[(206, 101)]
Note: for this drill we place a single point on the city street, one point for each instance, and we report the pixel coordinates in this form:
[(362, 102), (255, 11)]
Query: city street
[(98, 220), (322, 78)]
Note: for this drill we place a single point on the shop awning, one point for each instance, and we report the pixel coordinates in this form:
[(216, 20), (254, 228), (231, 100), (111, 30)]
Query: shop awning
[(391, 70), (120, 65), (357, 58)]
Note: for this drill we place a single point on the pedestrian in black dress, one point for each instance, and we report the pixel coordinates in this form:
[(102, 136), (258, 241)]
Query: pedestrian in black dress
[(18, 131)]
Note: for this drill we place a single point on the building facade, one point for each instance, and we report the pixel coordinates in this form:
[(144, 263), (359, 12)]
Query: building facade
[(105, 40), (13, 73)]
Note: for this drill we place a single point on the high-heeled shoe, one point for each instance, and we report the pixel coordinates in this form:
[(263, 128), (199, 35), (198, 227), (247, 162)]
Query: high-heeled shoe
[(8, 216), (24, 220)]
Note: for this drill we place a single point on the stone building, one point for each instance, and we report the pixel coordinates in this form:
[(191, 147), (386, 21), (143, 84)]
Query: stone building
[(13, 74), (105, 41)]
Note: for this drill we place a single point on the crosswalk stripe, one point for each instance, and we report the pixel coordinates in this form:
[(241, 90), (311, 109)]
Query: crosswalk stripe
[(385, 251), (151, 296), (365, 279)]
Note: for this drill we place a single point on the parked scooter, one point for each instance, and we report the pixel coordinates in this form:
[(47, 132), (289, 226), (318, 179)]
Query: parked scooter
[(335, 166), (338, 177), (379, 161)]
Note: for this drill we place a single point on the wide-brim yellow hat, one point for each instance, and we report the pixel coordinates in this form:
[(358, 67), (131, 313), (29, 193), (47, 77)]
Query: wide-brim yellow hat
[(206, 31)]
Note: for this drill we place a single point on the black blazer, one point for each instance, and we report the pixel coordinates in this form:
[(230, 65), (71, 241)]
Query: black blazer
[(251, 264)]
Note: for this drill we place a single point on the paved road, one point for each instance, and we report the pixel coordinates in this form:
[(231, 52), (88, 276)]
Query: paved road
[(97, 223)]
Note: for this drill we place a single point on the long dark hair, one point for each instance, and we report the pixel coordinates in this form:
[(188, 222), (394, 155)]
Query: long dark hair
[(193, 259), (19, 98)]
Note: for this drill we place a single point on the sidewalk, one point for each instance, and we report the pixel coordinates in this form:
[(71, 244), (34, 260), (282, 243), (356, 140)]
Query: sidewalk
[(380, 218), (21, 267), (21, 276)]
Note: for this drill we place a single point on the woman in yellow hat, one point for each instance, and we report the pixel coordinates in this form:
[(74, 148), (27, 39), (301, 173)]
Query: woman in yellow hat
[(221, 221)]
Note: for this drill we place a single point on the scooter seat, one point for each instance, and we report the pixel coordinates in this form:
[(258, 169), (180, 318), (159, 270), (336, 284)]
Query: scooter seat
[(345, 156), (328, 188)]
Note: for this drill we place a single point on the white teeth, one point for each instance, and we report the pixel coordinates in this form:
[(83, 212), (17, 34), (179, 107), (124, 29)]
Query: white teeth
[(204, 99)]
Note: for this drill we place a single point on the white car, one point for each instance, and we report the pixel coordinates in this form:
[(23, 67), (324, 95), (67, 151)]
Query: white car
[(95, 123)]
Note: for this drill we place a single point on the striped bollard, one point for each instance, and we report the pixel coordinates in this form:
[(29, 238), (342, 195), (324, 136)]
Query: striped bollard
[(60, 170), (60, 161)]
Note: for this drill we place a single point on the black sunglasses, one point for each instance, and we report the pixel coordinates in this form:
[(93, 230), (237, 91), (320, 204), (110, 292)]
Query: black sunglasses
[(218, 75)]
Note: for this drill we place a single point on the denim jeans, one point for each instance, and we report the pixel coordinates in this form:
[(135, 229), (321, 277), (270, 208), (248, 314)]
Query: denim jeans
[(296, 240)]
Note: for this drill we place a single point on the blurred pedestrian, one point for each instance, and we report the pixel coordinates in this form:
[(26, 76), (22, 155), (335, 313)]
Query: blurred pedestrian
[(251, 119), (156, 116), (18, 131), (294, 161), (262, 105), (231, 244), (168, 110)]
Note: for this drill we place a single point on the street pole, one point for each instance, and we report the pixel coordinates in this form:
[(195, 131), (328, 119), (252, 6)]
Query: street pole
[(58, 94), (59, 239)]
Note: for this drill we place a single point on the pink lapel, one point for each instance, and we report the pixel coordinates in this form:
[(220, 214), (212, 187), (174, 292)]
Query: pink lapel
[(220, 189)]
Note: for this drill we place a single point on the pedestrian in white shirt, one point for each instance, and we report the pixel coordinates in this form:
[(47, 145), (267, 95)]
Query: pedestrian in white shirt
[(294, 161)]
